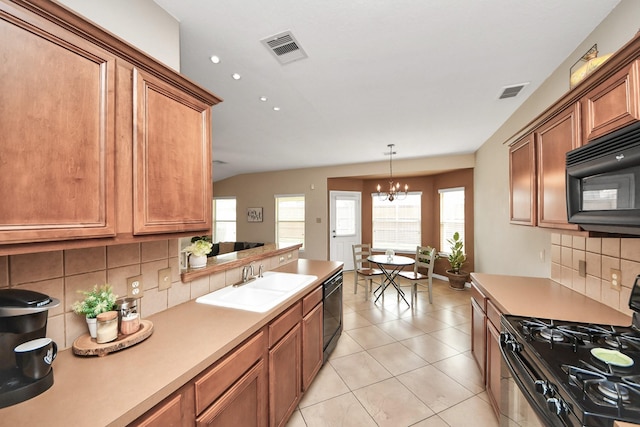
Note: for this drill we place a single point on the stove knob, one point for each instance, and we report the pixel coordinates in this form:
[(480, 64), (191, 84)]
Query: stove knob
[(542, 387), (556, 405), (545, 388), (514, 346)]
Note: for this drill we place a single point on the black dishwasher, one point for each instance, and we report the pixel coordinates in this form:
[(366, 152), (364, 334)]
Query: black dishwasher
[(332, 323)]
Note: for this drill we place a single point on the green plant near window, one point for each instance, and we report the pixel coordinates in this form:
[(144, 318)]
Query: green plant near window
[(456, 255)]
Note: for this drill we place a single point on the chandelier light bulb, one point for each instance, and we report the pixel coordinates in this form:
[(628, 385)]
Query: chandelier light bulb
[(394, 188)]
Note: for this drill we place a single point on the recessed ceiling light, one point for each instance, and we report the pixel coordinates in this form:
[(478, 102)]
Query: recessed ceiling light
[(215, 59), (263, 98), (236, 76), (276, 108)]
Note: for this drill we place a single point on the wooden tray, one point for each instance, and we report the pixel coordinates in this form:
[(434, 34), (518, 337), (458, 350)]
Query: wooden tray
[(87, 346)]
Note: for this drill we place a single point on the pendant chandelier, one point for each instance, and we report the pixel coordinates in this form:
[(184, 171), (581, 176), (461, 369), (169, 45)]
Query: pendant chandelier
[(393, 193)]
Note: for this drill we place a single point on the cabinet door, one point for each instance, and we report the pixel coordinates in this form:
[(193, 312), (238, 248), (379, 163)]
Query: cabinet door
[(172, 187), (478, 340), (553, 140), (494, 361), (312, 336), (284, 377), (612, 104), (57, 105), (175, 411), (522, 181), (244, 404)]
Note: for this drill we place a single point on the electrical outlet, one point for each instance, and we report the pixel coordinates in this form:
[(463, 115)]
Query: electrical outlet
[(616, 278), (164, 279), (281, 259), (134, 286)]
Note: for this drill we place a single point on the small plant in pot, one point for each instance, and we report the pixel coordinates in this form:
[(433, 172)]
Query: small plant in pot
[(457, 257), (98, 300), (198, 251)]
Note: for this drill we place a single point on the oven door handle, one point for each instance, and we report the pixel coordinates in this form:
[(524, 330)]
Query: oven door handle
[(526, 385)]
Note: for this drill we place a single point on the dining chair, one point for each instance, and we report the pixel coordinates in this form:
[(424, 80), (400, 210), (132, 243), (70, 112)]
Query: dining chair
[(424, 259), (362, 268)]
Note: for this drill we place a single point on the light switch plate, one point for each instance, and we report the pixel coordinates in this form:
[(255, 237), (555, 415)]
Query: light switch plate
[(582, 268), (164, 279), (134, 286)]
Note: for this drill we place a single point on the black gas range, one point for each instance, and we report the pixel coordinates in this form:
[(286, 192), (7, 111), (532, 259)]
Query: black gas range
[(573, 374)]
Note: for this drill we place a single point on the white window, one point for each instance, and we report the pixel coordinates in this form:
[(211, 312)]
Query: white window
[(290, 219), (224, 219), (396, 225), (451, 215)]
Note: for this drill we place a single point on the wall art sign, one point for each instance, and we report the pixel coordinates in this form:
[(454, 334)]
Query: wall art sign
[(254, 214)]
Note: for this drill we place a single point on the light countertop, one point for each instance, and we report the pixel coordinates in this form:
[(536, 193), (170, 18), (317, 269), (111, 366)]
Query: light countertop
[(544, 298), (116, 389)]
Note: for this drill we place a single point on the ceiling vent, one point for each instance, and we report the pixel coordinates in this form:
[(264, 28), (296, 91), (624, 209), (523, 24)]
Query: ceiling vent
[(512, 91), (285, 47)]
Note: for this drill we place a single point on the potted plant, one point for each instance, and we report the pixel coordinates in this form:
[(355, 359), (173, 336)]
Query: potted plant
[(98, 300), (198, 251), (457, 257)]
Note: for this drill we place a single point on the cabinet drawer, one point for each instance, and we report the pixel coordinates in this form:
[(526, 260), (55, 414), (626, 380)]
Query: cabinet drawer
[(479, 297), (311, 300), (220, 377), (493, 314), (283, 324)]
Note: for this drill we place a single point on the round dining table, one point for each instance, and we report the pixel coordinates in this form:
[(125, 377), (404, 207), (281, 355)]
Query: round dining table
[(390, 267)]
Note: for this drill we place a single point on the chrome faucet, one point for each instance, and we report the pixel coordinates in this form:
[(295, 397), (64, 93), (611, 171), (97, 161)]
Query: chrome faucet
[(247, 273), (261, 271)]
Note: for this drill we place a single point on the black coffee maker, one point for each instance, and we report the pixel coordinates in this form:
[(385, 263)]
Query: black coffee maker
[(23, 317)]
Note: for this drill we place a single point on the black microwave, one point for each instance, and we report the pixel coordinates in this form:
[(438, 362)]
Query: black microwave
[(603, 183)]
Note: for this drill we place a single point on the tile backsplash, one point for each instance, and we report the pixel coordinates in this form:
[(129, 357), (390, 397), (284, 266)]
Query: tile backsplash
[(600, 255), (61, 274)]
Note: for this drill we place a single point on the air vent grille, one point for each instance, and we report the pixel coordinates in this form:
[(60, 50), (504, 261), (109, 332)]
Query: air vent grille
[(511, 91), (284, 47)]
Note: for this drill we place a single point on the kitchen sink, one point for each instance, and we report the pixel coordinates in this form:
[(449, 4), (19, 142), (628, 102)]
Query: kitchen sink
[(260, 294)]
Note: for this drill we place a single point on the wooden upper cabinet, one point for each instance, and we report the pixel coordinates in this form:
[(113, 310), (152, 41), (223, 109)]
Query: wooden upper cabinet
[(172, 159), (89, 126), (57, 146), (522, 182), (553, 140), (612, 104)]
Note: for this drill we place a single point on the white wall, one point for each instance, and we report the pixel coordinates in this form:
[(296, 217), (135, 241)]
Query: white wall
[(141, 23), (502, 248)]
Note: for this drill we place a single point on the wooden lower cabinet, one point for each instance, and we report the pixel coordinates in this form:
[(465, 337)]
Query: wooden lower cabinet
[(312, 337), (494, 361), (478, 329), (175, 411), (259, 383), (244, 404), (285, 365), (285, 388), (485, 343)]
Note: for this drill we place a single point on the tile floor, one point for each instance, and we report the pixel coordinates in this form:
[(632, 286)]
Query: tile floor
[(399, 366)]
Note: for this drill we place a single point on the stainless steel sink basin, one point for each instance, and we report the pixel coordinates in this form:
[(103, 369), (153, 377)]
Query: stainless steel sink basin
[(261, 294)]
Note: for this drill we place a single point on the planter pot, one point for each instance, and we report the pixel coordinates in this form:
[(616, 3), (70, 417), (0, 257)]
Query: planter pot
[(457, 280), (92, 323), (197, 261)]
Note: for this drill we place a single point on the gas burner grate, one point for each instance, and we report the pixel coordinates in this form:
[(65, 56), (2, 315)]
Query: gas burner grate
[(606, 389), (549, 332)]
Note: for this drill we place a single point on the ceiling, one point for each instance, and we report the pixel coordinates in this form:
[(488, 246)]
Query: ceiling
[(422, 74)]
